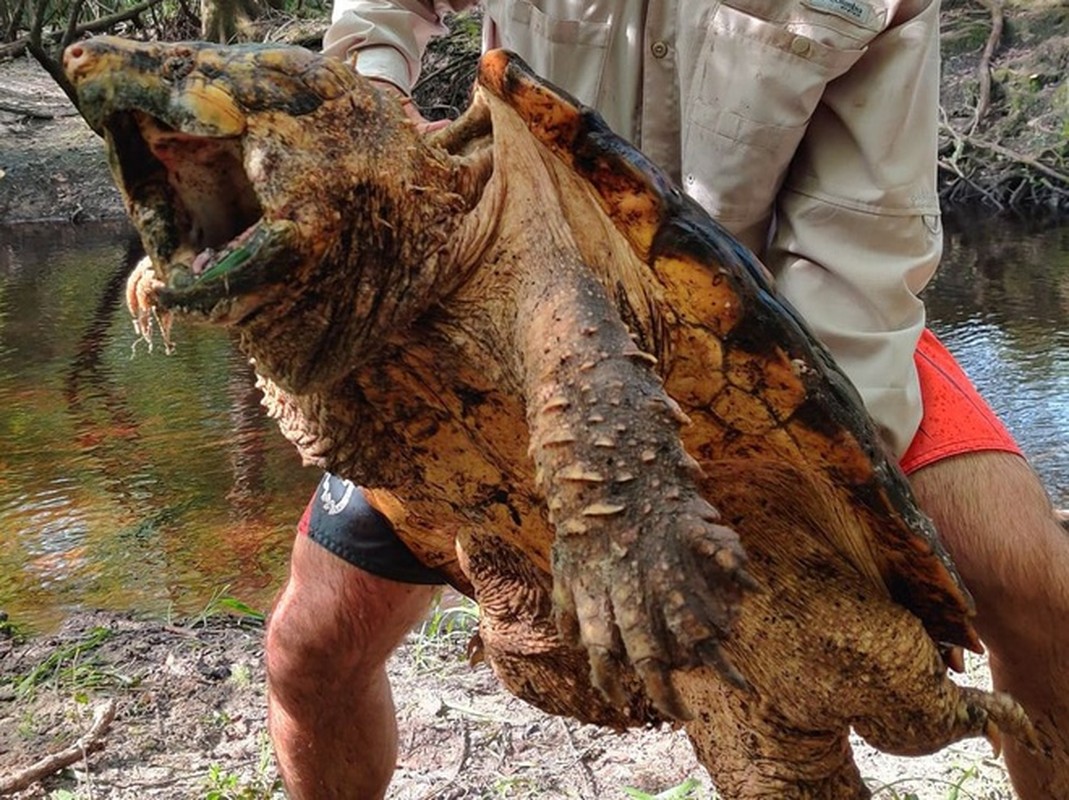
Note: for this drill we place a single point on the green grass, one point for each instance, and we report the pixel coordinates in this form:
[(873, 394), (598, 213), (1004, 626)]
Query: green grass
[(953, 788), (222, 604), (445, 633), (690, 789), (11, 630), (74, 665), (220, 784)]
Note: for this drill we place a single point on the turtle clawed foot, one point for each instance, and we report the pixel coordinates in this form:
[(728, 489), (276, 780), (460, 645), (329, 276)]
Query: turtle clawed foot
[(1002, 713), (660, 690), (652, 604)]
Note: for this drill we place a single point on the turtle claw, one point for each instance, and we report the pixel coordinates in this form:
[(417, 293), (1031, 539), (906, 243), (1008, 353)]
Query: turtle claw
[(660, 601), (994, 737), (747, 581), (607, 676), (712, 654), (953, 657), (660, 690), (1003, 713)]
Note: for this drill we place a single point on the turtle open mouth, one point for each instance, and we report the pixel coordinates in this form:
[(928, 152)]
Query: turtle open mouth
[(197, 210)]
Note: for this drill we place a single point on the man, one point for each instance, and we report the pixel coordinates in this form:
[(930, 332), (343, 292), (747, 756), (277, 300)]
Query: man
[(807, 128)]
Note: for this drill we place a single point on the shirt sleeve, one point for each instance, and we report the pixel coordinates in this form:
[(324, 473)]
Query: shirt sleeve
[(386, 38)]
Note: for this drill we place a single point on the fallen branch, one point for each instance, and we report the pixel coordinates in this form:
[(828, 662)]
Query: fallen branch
[(19, 46), (92, 741), (983, 70), (35, 113), (1019, 158)]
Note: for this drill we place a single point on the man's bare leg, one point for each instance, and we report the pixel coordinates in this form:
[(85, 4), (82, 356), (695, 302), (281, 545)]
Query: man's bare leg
[(1013, 554), (330, 711)]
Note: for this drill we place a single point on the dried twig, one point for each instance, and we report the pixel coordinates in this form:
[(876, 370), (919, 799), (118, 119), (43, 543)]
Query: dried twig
[(16, 20), (92, 741), (580, 760)]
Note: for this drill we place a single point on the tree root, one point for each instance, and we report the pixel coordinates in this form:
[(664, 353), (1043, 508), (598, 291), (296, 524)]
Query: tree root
[(976, 170), (90, 742), (1023, 181)]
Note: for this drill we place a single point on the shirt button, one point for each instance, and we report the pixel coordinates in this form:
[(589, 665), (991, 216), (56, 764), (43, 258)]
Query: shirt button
[(800, 45), (659, 49)]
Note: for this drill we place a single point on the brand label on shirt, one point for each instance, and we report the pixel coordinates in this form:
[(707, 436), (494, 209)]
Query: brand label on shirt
[(856, 11)]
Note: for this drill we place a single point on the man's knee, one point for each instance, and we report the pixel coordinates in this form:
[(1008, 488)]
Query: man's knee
[(997, 521), (333, 622)]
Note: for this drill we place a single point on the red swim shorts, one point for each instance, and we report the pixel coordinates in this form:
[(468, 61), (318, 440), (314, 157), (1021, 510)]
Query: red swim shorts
[(956, 418)]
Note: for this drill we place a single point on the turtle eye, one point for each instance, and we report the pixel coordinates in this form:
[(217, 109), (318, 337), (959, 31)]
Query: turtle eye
[(177, 66)]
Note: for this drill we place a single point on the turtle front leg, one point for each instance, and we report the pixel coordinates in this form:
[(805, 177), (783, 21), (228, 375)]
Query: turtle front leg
[(642, 567)]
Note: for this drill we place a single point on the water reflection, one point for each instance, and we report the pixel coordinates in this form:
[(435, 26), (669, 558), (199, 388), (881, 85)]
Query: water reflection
[(142, 482), (1000, 302), (149, 482)]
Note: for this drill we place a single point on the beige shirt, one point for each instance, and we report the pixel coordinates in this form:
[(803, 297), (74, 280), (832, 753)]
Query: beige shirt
[(588, 47), (819, 115)]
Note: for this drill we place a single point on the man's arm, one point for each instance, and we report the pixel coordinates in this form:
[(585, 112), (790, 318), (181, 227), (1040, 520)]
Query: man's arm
[(386, 38)]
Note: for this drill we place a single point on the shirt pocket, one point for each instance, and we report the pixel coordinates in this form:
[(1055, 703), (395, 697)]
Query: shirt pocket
[(564, 41), (757, 72)]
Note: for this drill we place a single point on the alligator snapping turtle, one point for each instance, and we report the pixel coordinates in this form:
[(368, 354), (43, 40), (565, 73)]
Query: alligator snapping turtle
[(567, 387)]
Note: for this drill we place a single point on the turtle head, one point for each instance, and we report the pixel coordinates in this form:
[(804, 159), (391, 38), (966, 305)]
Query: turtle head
[(262, 175)]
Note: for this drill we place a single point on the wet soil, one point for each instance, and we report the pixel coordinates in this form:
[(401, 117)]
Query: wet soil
[(52, 165)]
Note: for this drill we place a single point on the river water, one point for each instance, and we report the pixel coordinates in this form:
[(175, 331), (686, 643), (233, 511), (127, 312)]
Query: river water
[(139, 481)]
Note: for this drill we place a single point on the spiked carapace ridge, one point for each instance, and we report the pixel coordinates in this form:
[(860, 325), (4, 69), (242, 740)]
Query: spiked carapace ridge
[(567, 387)]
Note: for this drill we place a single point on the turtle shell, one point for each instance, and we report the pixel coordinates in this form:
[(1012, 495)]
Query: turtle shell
[(767, 389)]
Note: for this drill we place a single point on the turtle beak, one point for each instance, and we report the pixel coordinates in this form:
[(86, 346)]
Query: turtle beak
[(199, 217), (188, 194), (178, 159)]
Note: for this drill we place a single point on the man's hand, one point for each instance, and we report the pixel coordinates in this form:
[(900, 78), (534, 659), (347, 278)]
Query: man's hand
[(423, 125)]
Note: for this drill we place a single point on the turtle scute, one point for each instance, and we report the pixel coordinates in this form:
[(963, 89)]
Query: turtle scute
[(567, 388)]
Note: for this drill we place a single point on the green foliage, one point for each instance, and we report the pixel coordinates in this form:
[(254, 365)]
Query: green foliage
[(690, 789), (955, 788), (447, 621), (223, 785), (445, 631), (11, 630), (219, 784), (967, 37), (515, 787), (75, 665), (448, 73), (223, 604)]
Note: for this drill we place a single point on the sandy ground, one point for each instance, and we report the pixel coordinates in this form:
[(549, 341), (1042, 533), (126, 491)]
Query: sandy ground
[(190, 722)]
